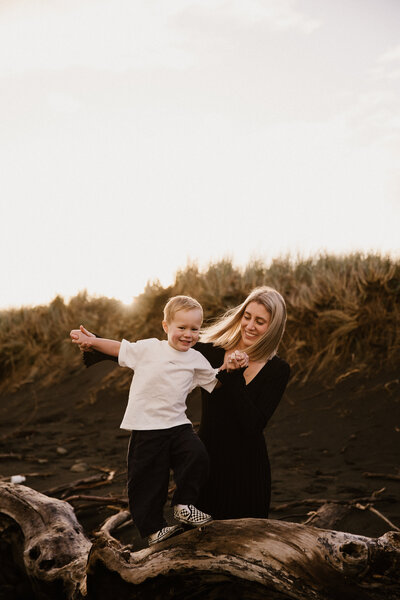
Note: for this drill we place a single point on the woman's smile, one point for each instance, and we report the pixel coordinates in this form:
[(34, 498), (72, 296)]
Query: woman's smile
[(254, 324), (250, 334)]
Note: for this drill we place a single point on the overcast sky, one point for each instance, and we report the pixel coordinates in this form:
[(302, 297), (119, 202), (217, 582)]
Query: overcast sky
[(136, 135)]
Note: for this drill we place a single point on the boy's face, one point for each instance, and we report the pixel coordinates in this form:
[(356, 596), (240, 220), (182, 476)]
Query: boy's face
[(184, 329)]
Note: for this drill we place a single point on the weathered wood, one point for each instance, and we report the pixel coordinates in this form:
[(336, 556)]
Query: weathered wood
[(269, 559), (97, 480), (98, 499), (376, 512), (247, 558), (328, 516), (114, 522), (55, 547), (331, 515)]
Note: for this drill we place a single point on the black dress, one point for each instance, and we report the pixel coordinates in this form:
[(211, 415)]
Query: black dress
[(232, 422), (231, 428)]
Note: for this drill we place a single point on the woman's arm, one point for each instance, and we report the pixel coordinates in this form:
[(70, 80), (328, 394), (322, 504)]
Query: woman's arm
[(92, 357)]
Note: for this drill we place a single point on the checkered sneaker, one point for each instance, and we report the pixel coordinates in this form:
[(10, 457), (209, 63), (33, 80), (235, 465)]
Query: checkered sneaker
[(163, 534), (190, 515)]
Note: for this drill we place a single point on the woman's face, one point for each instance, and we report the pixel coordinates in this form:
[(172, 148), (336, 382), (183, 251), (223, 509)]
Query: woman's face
[(255, 322)]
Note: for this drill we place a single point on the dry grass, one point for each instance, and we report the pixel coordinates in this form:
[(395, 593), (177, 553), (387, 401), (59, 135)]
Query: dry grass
[(343, 315)]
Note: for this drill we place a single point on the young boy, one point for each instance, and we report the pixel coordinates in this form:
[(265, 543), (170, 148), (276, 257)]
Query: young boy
[(162, 436)]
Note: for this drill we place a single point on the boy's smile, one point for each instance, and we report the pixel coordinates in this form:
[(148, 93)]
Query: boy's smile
[(184, 329)]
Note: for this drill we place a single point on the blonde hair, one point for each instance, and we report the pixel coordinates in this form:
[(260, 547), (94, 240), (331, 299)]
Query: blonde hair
[(180, 303), (226, 332)]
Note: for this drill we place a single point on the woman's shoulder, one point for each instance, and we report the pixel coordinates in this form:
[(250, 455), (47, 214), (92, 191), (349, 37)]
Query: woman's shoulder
[(278, 366), (213, 354), (207, 348), (278, 361)]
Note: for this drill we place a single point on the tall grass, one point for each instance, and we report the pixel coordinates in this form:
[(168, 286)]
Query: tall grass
[(343, 315)]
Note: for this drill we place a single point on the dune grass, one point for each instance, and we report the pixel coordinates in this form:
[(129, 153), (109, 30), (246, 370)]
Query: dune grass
[(343, 316)]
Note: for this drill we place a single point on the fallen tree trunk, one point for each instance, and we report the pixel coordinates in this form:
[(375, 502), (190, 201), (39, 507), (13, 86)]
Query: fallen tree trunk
[(55, 549), (250, 558), (246, 558)]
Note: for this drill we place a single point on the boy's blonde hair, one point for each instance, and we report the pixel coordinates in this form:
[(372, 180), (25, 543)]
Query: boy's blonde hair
[(225, 332), (180, 303)]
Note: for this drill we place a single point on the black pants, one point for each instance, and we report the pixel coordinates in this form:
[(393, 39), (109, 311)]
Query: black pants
[(151, 454)]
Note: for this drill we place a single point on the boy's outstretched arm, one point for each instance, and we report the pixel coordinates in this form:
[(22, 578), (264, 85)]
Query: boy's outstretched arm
[(90, 342)]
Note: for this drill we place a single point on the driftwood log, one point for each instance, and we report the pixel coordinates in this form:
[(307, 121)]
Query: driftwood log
[(242, 559), (55, 548)]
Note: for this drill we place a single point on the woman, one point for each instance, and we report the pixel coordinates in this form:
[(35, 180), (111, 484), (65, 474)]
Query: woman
[(234, 415)]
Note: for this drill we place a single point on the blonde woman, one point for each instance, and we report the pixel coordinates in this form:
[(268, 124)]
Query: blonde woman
[(235, 415)]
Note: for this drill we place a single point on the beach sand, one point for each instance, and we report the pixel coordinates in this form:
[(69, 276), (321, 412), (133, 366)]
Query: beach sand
[(321, 443)]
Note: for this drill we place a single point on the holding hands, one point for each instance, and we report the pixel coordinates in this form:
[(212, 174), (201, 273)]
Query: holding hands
[(236, 360), (87, 342)]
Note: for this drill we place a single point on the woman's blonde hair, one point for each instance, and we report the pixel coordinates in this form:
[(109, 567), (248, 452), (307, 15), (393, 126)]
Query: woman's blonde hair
[(225, 332)]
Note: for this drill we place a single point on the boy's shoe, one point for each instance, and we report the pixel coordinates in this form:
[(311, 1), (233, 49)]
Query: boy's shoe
[(163, 534), (190, 515)]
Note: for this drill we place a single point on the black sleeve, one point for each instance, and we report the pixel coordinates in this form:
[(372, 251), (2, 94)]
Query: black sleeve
[(253, 410), (94, 356), (214, 354)]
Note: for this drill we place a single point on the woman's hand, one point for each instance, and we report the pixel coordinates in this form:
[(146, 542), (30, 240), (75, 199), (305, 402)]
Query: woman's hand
[(236, 360)]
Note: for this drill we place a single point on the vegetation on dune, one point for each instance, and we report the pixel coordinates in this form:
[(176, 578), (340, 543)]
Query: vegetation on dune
[(343, 316)]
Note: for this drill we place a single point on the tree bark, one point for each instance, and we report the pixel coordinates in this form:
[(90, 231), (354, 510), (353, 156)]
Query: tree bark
[(246, 558), (250, 558), (55, 549)]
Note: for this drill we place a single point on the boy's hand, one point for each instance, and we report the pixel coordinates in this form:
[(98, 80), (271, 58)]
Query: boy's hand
[(86, 332), (89, 342), (237, 360), (82, 337)]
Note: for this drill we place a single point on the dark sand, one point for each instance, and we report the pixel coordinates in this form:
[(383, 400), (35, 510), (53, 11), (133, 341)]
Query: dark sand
[(321, 443)]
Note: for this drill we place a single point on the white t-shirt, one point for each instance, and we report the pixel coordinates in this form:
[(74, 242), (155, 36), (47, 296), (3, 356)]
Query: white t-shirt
[(163, 378)]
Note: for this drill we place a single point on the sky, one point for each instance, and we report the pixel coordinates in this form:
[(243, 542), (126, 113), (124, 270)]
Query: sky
[(139, 135)]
